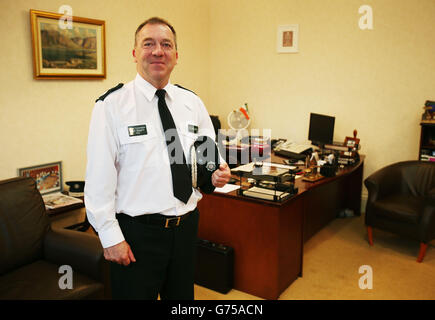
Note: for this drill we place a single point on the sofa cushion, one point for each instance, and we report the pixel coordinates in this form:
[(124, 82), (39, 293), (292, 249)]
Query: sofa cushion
[(40, 280), (23, 223), (405, 208)]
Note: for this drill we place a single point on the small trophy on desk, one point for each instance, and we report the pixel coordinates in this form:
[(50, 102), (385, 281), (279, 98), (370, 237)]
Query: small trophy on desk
[(312, 173)]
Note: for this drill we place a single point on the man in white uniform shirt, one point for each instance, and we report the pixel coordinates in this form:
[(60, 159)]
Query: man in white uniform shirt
[(147, 233)]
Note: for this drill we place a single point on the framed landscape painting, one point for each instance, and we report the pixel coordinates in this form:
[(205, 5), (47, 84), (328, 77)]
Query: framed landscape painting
[(76, 50)]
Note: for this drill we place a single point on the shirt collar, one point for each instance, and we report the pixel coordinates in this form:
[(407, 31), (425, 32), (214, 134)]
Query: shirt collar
[(149, 90)]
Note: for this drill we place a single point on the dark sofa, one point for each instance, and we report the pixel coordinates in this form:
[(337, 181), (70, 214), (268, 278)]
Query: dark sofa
[(32, 252)]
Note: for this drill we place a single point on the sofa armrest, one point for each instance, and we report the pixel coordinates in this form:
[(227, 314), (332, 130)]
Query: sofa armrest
[(372, 188), (385, 181), (82, 251)]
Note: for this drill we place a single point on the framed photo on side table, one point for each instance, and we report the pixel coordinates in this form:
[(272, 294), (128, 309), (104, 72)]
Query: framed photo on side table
[(76, 50), (48, 179), (48, 176), (288, 39), (351, 142)]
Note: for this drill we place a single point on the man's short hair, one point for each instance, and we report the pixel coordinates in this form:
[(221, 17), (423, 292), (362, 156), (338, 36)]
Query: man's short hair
[(155, 20)]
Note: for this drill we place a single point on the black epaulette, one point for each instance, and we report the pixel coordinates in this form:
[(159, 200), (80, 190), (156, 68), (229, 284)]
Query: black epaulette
[(177, 85), (119, 86)]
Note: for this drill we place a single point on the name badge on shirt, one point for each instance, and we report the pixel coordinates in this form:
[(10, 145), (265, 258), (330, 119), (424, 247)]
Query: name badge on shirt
[(139, 130), (192, 128)]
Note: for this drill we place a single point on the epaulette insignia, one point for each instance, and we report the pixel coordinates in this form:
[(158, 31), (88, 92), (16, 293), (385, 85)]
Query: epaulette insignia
[(119, 86), (185, 89)]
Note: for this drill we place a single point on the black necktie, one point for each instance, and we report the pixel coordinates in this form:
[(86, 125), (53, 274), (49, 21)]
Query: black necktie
[(181, 177)]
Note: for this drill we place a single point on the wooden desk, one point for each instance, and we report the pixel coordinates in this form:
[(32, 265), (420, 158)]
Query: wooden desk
[(268, 237)]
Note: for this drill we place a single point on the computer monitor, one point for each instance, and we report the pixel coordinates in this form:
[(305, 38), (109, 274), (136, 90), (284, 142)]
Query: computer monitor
[(321, 130)]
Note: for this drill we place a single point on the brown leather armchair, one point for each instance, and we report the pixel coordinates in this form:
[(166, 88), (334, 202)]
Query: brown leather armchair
[(402, 200), (32, 252)]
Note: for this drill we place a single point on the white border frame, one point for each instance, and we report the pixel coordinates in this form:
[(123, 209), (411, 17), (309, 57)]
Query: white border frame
[(280, 35)]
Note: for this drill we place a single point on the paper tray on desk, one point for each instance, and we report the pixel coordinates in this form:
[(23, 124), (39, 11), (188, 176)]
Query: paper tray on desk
[(266, 194), (267, 171)]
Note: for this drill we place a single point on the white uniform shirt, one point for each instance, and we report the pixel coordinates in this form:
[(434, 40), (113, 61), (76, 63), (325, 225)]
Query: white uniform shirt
[(131, 174)]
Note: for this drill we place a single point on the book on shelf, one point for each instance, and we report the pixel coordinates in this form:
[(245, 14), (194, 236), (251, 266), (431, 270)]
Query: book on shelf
[(428, 121), (424, 157)]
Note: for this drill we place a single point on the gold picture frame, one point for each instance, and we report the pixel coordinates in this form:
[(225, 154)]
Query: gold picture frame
[(67, 51)]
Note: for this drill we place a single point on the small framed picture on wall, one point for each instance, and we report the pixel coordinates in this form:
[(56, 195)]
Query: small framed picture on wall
[(288, 38)]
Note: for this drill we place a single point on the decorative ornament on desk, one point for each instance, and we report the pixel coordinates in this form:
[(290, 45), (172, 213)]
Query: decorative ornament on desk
[(429, 111), (351, 156), (352, 143), (239, 120)]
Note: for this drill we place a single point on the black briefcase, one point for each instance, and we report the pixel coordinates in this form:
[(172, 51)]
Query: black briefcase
[(214, 266)]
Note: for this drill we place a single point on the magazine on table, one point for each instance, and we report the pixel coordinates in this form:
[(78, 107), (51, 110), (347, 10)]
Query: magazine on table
[(59, 200)]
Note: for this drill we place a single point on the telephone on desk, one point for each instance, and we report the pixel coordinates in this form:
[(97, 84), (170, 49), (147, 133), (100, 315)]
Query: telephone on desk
[(290, 149)]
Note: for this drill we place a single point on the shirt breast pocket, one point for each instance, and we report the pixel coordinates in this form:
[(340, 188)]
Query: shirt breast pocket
[(138, 151), (188, 138)]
